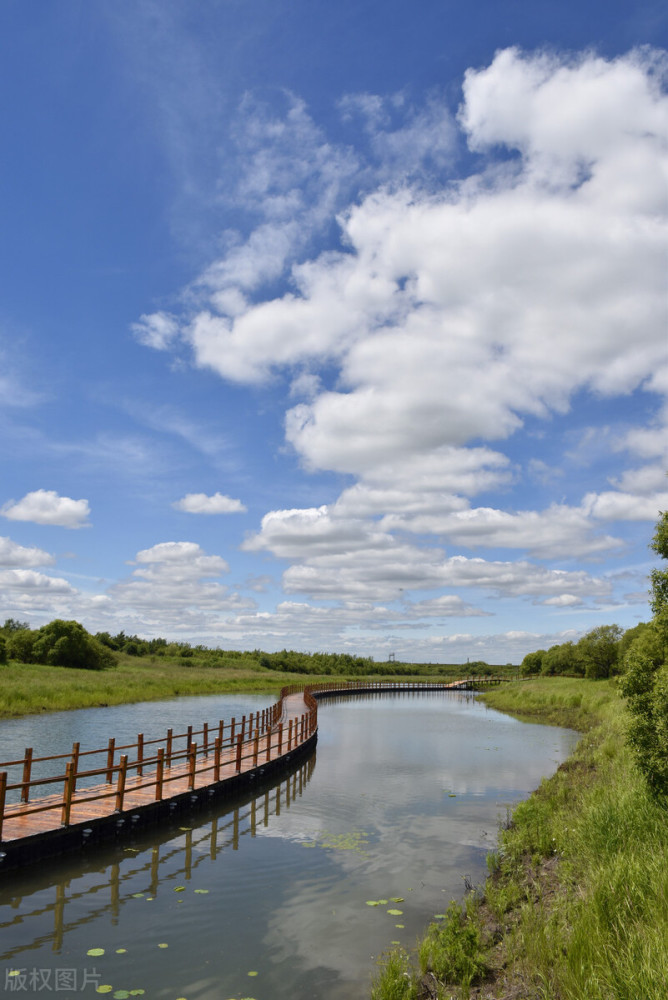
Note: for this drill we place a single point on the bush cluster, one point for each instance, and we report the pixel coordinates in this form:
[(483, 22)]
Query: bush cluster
[(59, 644)]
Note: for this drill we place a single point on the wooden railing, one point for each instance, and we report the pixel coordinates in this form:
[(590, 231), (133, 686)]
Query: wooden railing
[(199, 755), (246, 744)]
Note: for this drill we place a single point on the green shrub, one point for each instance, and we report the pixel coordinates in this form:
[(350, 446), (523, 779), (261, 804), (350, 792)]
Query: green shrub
[(396, 980), (452, 950)]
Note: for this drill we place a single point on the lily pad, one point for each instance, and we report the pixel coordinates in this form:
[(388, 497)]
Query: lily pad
[(400, 926), (202, 892), (397, 899), (179, 888), (252, 973), (395, 913), (163, 946), (372, 902), (121, 951), (95, 952), (103, 989), (137, 993), (137, 895), (121, 994)]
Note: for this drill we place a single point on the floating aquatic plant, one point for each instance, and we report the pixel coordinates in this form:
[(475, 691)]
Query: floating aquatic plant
[(356, 840), (395, 913), (202, 892), (179, 888), (163, 946), (95, 952), (103, 989)]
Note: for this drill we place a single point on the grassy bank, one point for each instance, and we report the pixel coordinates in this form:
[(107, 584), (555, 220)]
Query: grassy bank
[(27, 689), (576, 905)]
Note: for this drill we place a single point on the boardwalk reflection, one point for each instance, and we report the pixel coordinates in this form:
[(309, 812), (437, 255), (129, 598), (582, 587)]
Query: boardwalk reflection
[(166, 858)]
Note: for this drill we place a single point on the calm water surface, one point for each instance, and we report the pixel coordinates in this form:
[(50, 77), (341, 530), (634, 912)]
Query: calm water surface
[(401, 799)]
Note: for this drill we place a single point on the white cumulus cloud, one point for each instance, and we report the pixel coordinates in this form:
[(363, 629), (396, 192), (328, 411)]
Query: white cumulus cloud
[(47, 507), (200, 503)]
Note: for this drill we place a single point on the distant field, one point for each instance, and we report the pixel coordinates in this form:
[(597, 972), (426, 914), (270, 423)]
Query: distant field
[(27, 689)]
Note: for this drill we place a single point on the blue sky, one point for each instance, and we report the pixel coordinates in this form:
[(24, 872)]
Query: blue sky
[(333, 326)]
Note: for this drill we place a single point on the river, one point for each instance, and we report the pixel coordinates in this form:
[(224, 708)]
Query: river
[(270, 898)]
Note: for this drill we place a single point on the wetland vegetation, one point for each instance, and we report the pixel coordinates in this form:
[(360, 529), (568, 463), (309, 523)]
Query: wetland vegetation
[(576, 903)]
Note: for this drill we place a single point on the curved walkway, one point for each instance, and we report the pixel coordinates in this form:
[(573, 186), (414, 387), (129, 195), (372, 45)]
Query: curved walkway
[(154, 785)]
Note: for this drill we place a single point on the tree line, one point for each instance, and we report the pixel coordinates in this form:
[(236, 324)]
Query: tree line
[(68, 644)]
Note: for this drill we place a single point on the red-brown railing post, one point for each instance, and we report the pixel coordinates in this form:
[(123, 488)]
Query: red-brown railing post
[(159, 774), (243, 726), (75, 757), (280, 738), (256, 747), (3, 794), (205, 738), (68, 791), (239, 746), (268, 757), (232, 728), (120, 784), (189, 737), (140, 754), (221, 730), (27, 767), (110, 760), (290, 735), (192, 764), (168, 753), (216, 758)]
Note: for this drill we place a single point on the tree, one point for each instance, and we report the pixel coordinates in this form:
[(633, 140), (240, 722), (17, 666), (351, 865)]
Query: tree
[(561, 659), (597, 651), (68, 644), (532, 663), (14, 625), (3, 649), (20, 645), (645, 683)]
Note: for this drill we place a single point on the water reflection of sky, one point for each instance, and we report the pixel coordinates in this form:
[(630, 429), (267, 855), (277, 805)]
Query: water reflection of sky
[(402, 800)]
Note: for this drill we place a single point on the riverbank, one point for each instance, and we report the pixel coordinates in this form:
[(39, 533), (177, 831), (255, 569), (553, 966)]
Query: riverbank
[(576, 904), (31, 689)]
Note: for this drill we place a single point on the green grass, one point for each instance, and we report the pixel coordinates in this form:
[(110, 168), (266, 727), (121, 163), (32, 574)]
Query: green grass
[(27, 689), (31, 688), (576, 907)]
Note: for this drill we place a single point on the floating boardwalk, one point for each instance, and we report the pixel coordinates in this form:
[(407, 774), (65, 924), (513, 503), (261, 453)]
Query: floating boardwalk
[(103, 794)]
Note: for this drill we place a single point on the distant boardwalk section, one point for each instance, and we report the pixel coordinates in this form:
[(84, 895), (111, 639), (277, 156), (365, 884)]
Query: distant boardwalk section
[(107, 793)]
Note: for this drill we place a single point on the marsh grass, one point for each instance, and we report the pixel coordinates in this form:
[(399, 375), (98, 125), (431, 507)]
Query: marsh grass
[(576, 906), (396, 980), (27, 689), (452, 950)]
